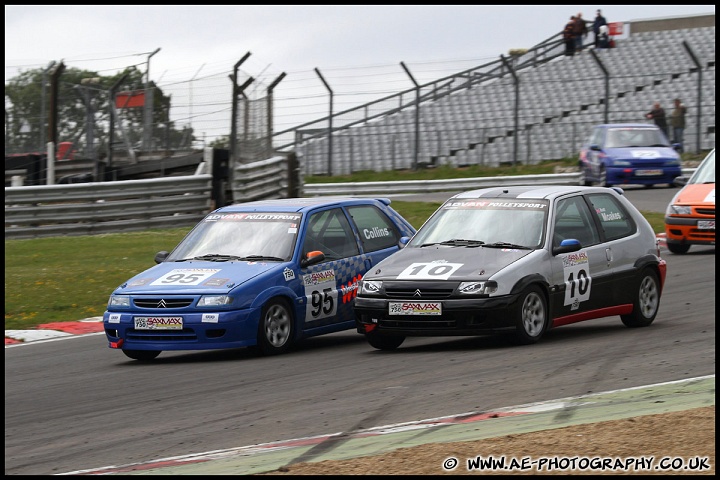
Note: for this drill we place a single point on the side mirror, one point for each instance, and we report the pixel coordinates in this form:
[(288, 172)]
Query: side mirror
[(403, 241), (313, 257), (566, 246), (595, 147), (161, 256), (680, 181)]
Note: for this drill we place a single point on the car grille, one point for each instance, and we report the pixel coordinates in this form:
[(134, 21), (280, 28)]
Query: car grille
[(425, 292), (186, 335), (705, 211), (162, 302), (448, 321)]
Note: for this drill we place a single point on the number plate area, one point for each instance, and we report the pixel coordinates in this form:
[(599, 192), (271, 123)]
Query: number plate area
[(415, 308), (158, 323), (706, 224), (648, 173)]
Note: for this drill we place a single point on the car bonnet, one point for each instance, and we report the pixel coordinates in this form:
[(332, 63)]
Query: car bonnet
[(464, 263), (696, 194), (196, 277), (642, 153)]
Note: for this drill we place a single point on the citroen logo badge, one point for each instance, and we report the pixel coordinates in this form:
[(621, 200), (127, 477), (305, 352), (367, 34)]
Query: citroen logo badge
[(417, 293), (161, 304)]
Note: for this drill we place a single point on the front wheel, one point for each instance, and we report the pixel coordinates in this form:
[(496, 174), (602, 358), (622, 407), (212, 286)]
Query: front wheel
[(142, 355), (604, 178), (582, 180), (678, 248), (531, 316), (646, 303), (384, 342), (275, 330)]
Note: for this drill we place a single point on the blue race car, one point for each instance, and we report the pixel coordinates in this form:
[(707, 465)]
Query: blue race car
[(628, 153), (261, 274)]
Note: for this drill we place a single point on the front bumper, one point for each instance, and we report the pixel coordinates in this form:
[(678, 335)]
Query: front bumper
[(477, 316), (233, 329), (685, 231), (634, 176)]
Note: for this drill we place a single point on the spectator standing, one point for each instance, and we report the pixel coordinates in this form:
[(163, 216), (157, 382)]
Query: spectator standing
[(602, 39), (569, 37), (597, 23), (677, 122), (657, 114), (580, 31)]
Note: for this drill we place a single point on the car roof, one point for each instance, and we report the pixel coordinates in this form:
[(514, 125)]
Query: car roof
[(537, 192), (299, 204)]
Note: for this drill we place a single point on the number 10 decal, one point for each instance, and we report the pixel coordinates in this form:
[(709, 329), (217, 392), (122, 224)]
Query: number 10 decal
[(576, 271), (429, 271)]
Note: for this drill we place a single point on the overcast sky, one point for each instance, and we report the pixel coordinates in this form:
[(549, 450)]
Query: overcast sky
[(201, 41), (284, 38)]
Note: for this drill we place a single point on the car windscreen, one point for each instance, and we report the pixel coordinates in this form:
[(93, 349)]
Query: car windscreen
[(261, 236), (628, 137), (491, 221), (706, 171)]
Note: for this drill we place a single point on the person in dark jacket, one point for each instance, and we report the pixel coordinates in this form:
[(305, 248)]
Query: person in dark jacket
[(657, 114), (677, 122), (569, 37), (597, 23), (580, 31)]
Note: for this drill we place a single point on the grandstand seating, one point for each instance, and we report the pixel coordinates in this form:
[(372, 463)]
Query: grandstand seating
[(559, 102)]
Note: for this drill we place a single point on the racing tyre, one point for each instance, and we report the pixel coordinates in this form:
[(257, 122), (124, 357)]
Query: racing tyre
[(678, 248), (142, 355), (603, 178), (583, 181), (275, 330), (384, 342), (646, 303), (531, 316)]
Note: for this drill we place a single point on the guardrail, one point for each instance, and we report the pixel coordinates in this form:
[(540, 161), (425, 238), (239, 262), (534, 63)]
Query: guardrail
[(132, 205), (450, 185), (106, 207)]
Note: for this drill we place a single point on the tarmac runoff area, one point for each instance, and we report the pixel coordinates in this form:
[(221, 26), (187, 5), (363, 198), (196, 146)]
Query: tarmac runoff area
[(614, 405), (267, 457)]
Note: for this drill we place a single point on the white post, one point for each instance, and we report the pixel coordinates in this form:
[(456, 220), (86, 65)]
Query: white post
[(50, 163)]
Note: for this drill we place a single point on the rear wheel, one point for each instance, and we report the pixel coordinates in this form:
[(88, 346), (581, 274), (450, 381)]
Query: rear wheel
[(646, 303), (142, 355), (531, 317), (275, 330), (384, 342)]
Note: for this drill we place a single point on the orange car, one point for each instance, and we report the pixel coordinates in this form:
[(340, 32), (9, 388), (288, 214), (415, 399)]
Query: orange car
[(690, 216)]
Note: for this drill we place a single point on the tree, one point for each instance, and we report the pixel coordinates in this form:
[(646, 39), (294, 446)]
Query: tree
[(80, 92)]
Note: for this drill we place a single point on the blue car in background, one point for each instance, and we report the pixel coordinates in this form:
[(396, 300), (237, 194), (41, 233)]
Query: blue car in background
[(261, 274), (628, 153)]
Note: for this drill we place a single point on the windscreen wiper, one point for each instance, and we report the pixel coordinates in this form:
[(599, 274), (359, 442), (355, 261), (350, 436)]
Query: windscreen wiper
[(506, 245), (257, 258)]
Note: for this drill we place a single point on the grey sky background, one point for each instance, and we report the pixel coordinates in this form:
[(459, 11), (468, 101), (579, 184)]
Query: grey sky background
[(200, 41)]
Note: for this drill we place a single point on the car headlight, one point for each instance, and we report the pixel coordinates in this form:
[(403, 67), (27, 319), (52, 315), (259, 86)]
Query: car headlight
[(370, 287), (214, 300), (672, 163), (621, 163), (119, 301), (678, 210), (478, 288)]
